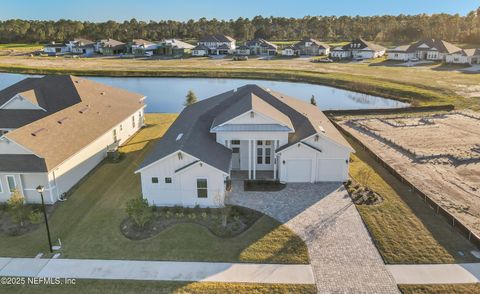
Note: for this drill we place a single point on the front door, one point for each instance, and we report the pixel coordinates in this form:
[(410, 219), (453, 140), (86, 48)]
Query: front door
[(235, 158)]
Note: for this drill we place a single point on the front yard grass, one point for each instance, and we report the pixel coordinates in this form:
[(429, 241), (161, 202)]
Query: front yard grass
[(138, 287), (88, 223), (403, 228), (440, 289)]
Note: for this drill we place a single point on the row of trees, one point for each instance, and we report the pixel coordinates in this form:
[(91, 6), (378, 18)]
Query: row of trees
[(386, 28)]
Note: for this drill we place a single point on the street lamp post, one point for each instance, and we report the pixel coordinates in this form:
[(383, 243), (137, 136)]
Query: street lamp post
[(40, 190)]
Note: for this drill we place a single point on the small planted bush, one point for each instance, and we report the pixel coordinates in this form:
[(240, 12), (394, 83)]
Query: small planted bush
[(139, 212)]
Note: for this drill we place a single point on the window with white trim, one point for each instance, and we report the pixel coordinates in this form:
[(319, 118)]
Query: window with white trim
[(202, 188), (1, 187), (12, 184)]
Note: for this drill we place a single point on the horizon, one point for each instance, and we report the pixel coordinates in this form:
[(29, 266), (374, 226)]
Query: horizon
[(122, 10)]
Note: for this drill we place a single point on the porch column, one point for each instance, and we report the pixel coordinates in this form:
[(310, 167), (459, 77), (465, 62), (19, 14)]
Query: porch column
[(254, 159), (274, 160), (249, 159)]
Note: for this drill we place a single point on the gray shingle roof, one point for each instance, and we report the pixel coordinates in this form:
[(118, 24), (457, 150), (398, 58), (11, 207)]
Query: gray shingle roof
[(363, 45), (22, 163), (440, 45), (195, 121), (313, 41)]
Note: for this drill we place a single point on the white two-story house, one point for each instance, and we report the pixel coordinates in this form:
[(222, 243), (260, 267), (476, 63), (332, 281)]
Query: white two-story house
[(56, 129), (216, 44), (250, 130)]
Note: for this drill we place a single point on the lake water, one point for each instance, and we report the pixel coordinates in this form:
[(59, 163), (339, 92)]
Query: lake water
[(168, 94)]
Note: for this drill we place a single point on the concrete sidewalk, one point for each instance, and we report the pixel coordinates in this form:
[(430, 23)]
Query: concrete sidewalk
[(157, 270), (435, 273)]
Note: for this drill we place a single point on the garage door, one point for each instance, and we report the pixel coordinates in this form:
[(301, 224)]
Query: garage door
[(299, 170), (331, 170)]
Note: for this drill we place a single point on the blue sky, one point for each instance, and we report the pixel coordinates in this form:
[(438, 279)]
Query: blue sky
[(101, 10)]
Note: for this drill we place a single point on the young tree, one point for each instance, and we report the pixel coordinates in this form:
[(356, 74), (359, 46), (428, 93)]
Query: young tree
[(139, 211), (17, 209), (313, 101), (190, 99)]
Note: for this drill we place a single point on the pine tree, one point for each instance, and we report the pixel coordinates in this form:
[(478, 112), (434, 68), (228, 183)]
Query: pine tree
[(190, 99), (313, 101)]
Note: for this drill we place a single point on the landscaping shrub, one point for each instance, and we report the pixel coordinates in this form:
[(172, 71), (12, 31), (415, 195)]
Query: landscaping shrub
[(17, 209), (139, 211)]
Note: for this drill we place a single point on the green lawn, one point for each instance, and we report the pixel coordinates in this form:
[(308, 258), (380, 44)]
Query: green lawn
[(139, 287), (440, 289), (404, 229), (88, 223), (21, 47)]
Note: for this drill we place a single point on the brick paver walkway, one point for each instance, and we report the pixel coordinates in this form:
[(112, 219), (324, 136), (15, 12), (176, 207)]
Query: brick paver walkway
[(342, 253)]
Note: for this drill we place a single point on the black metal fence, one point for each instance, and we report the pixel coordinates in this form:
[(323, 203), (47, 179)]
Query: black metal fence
[(451, 219), (446, 107)]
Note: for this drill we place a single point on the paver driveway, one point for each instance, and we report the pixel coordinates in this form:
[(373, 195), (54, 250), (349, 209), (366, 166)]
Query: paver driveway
[(342, 253)]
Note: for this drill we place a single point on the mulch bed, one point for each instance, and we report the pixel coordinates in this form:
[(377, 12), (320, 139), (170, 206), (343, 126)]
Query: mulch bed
[(239, 220), (263, 185), (9, 228), (362, 195)]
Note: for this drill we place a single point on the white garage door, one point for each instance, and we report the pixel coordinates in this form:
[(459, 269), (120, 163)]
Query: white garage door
[(331, 170), (299, 170)]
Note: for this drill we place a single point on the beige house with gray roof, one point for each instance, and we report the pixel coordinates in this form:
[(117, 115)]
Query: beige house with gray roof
[(55, 129)]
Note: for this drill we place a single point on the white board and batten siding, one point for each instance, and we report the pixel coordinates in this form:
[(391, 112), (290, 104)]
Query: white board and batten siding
[(301, 163), (182, 190)]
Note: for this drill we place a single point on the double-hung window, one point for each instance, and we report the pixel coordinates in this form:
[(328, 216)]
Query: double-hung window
[(202, 188)]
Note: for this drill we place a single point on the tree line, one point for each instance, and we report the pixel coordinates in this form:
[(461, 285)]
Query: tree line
[(386, 28)]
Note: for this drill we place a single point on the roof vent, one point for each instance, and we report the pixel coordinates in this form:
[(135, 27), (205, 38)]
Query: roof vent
[(179, 136), (38, 132), (83, 110), (62, 120), (321, 129), (102, 93)]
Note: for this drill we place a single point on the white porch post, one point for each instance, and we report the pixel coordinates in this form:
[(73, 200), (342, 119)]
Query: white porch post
[(274, 159), (254, 159), (249, 159)]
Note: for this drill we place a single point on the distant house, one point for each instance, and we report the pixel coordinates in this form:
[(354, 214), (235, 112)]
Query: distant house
[(262, 47), (288, 51), (218, 44), (140, 47), (464, 56), (81, 46), (56, 129), (429, 49), (311, 47), (55, 48), (173, 47), (358, 49), (200, 50), (110, 47), (242, 50)]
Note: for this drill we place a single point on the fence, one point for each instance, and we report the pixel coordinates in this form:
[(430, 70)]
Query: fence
[(451, 219), (446, 107)]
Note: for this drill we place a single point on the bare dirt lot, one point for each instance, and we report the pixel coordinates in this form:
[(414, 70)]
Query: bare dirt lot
[(438, 153)]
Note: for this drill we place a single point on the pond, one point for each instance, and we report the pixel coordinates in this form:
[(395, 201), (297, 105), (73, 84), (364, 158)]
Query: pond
[(168, 94)]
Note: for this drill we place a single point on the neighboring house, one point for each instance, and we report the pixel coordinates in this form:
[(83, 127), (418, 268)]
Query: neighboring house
[(288, 51), (358, 49), (55, 49), (110, 47), (429, 49), (464, 56), (249, 129), (81, 46), (173, 47), (58, 128), (242, 50), (218, 44), (140, 47), (262, 47), (200, 50), (311, 47)]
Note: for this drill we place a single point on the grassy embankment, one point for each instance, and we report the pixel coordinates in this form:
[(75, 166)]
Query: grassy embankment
[(88, 223), (403, 228), (139, 287), (440, 289)]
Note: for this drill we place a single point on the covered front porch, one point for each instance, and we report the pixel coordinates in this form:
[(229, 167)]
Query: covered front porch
[(253, 159)]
